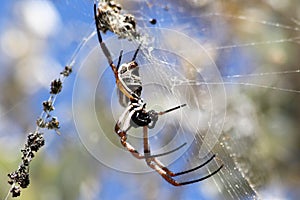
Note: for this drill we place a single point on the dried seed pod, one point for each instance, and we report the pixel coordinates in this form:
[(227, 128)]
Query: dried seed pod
[(53, 124), (56, 86), (48, 106), (15, 191), (67, 71)]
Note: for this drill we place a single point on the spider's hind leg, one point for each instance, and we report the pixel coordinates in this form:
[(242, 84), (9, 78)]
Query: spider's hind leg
[(190, 170), (165, 172), (168, 174)]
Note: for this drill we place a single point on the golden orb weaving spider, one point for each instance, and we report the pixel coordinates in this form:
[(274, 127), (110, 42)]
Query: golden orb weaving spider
[(135, 115)]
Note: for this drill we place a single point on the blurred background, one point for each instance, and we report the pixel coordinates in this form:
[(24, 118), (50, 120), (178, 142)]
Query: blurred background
[(254, 46)]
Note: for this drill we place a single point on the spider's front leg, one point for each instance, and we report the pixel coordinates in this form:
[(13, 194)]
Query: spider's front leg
[(154, 115)]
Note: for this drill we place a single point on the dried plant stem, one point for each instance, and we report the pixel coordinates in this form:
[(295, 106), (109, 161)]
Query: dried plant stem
[(109, 18), (20, 178)]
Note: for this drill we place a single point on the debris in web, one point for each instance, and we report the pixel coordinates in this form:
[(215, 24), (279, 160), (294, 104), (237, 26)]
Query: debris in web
[(111, 18)]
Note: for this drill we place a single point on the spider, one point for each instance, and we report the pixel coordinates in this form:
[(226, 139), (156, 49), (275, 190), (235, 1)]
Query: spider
[(135, 114)]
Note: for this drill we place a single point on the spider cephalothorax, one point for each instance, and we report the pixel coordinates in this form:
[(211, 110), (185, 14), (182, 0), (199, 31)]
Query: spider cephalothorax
[(135, 114)]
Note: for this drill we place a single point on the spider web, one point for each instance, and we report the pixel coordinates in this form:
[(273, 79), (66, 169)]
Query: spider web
[(202, 60), (228, 64)]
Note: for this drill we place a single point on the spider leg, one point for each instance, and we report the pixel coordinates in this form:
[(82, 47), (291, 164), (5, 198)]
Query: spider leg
[(165, 153), (154, 114), (149, 158), (122, 126), (102, 44), (120, 58), (125, 90), (97, 24), (147, 146), (171, 109), (136, 52), (128, 146), (170, 173), (165, 172), (132, 150)]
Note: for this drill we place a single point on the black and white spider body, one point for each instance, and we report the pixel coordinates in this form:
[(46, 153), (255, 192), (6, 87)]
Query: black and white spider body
[(130, 78), (135, 114)]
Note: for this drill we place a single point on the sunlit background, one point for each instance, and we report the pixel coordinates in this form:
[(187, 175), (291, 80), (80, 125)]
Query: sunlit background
[(261, 132)]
